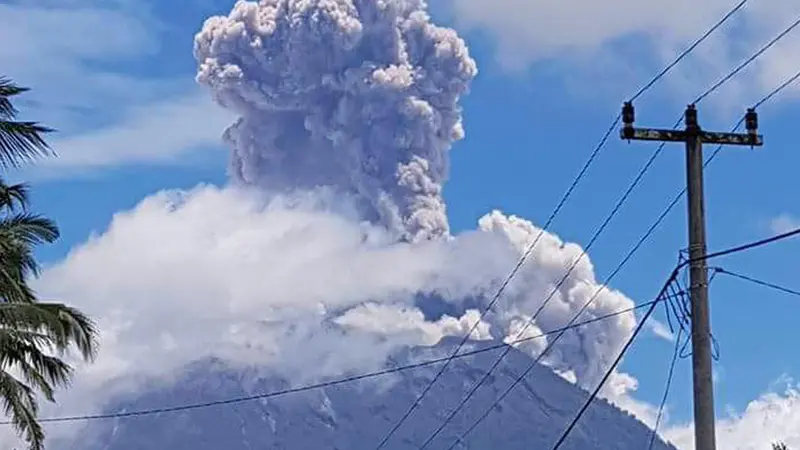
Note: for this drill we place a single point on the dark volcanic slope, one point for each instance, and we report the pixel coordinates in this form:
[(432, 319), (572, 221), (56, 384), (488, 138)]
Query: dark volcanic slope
[(356, 416)]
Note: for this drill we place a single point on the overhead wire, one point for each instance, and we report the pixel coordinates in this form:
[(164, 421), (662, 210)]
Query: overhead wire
[(667, 387), (614, 364), (554, 214), (321, 385), (753, 280), (688, 50), (715, 255), (185, 407), (597, 234), (504, 285), (558, 336), (682, 311), (767, 241), (749, 60), (681, 329), (778, 89), (649, 232)]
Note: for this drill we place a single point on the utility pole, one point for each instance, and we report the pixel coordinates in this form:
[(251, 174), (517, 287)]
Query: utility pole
[(694, 138)]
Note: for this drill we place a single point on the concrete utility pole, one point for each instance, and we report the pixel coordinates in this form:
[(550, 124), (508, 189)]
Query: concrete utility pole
[(694, 138)]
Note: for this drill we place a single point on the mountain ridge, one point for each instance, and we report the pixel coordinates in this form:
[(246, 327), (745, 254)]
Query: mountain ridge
[(357, 415)]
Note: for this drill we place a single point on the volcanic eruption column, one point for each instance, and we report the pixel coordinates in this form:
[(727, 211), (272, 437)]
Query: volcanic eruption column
[(360, 95), (363, 96)]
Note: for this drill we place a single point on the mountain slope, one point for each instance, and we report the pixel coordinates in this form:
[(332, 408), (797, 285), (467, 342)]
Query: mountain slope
[(356, 416)]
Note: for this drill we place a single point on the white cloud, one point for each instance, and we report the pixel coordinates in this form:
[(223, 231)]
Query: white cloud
[(220, 272), (106, 115), (527, 31), (775, 416), (661, 330), (73, 47), (536, 29), (784, 223), (161, 132)]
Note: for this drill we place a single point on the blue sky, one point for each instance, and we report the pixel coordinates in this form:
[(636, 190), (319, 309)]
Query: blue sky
[(117, 81)]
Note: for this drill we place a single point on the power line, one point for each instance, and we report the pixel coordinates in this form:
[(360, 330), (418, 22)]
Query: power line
[(778, 89), (745, 247), (750, 246), (773, 286), (503, 286), (666, 211), (689, 50), (749, 60), (185, 407), (610, 370), (664, 398), (558, 336), (770, 240), (546, 301), (591, 242), (554, 214), (681, 266), (672, 278)]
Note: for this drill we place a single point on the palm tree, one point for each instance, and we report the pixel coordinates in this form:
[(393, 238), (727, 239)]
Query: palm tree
[(20, 141), (35, 336)]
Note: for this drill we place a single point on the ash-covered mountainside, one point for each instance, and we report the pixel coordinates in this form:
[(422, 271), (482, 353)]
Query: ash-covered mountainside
[(356, 416)]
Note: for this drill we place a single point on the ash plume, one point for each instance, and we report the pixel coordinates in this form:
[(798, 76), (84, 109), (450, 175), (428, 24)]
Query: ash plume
[(360, 95)]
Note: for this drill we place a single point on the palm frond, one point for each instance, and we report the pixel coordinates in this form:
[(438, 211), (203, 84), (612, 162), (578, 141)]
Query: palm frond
[(42, 371), (19, 233), (14, 196), (18, 265), (39, 339), (7, 90), (28, 228), (77, 329), (19, 402), (66, 326), (13, 285), (22, 142), (28, 317), (27, 332)]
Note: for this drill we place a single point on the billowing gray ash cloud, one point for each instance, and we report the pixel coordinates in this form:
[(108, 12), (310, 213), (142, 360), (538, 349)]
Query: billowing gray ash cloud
[(356, 95), (361, 95)]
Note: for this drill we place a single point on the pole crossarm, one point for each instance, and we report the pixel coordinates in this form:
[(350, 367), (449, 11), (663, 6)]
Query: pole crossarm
[(708, 137), (751, 138)]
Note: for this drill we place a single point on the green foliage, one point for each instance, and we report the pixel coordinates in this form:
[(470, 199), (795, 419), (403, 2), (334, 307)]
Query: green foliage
[(35, 336), (20, 141), (779, 446)]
